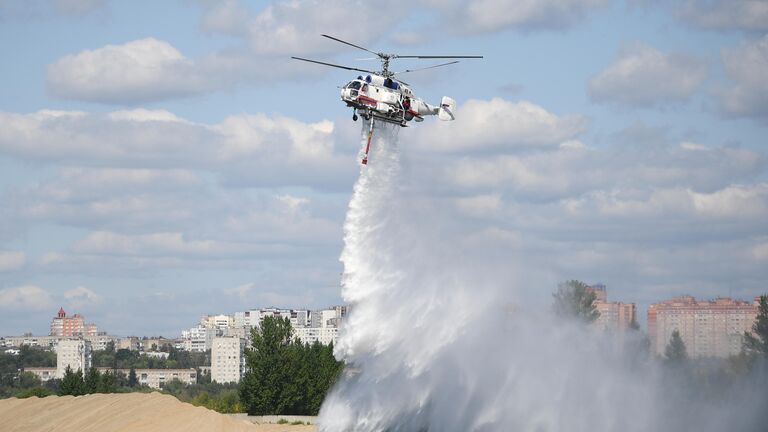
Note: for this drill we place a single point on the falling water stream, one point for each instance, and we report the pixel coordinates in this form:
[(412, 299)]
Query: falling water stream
[(435, 341)]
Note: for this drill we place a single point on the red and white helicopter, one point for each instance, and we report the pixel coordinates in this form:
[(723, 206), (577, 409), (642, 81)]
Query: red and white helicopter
[(381, 96)]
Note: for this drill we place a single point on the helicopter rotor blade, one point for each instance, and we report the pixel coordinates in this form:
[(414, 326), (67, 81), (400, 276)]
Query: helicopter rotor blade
[(333, 65), (351, 44), (401, 81), (428, 67), (439, 57)]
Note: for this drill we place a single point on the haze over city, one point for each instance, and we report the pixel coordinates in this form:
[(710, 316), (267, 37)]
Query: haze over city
[(164, 160)]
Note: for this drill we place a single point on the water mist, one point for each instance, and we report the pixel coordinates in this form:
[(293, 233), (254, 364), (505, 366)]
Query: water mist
[(435, 341)]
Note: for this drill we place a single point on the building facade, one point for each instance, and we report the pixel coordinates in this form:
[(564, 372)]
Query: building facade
[(73, 353), (709, 328), (198, 338), (73, 326), (227, 359), (324, 335), (614, 316)]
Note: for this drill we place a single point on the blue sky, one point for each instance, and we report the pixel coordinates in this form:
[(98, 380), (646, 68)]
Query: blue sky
[(162, 160)]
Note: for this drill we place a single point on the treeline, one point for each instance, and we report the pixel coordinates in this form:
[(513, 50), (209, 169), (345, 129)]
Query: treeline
[(223, 398), (283, 375), (127, 359), (14, 382)]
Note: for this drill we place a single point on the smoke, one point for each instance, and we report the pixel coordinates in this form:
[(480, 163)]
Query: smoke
[(439, 338)]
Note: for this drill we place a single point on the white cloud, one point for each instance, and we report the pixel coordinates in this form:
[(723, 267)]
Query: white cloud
[(251, 149), (645, 76), (760, 251), (81, 297), (749, 15), (158, 244), (12, 260), (499, 125), (730, 203), (494, 15), (27, 297), (241, 291), (747, 67), (78, 7), (141, 70), (295, 27)]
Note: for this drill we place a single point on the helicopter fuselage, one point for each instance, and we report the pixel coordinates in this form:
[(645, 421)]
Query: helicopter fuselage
[(385, 99)]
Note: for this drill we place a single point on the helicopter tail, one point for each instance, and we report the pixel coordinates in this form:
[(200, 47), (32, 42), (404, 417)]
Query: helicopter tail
[(447, 107)]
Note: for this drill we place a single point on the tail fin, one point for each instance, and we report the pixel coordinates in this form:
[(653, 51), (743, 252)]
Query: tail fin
[(447, 106)]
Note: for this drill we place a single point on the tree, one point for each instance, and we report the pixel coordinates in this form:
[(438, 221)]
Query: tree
[(675, 352), (261, 390), (92, 379), (72, 383), (132, 381), (575, 300), (106, 383), (757, 341)]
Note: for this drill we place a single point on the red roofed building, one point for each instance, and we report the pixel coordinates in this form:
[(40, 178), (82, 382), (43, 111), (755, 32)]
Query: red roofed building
[(64, 326)]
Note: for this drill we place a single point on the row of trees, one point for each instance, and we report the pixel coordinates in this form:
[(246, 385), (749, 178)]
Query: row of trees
[(126, 359), (284, 375), (224, 398)]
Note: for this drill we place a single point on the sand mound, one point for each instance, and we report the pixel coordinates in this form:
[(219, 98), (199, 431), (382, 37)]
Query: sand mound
[(134, 412)]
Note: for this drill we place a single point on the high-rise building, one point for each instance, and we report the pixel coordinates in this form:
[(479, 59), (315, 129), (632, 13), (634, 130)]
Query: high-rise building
[(73, 353), (73, 326), (227, 359), (310, 335), (614, 316), (709, 328), (198, 338)]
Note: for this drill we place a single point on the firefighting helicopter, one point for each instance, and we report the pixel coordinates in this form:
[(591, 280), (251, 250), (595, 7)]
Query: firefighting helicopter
[(381, 96)]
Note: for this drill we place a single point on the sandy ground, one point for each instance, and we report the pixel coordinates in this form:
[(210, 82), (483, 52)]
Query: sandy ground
[(134, 412)]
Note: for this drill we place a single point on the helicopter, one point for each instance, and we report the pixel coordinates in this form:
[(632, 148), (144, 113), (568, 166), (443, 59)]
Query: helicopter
[(383, 97)]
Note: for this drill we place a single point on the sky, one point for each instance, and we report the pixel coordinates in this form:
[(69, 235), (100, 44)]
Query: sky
[(164, 160)]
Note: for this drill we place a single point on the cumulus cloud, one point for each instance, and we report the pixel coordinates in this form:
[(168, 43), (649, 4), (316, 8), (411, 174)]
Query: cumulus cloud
[(137, 71), (751, 15), (245, 149), (12, 260), (498, 124), (645, 76), (486, 16), (747, 67), (26, 297), (573, 168), (295, 27), (81, 297)]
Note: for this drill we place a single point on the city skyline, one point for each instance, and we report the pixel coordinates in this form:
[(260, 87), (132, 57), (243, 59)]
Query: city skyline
[(159, 160)]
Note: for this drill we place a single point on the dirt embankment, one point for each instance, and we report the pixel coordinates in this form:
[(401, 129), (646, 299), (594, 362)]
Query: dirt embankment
[(131, 412)]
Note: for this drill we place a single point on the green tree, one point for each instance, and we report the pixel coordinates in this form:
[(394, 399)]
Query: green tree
[(675, 353), (262, 388), (72, 383), (36, 357), (106, 383), (40, 392), (132, 380), (575, 300), (92, 378), (756, 342), (326, 371), (28, 380)]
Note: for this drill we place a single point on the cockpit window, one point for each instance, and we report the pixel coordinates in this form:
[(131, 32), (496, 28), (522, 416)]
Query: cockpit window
[(354, 85)]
